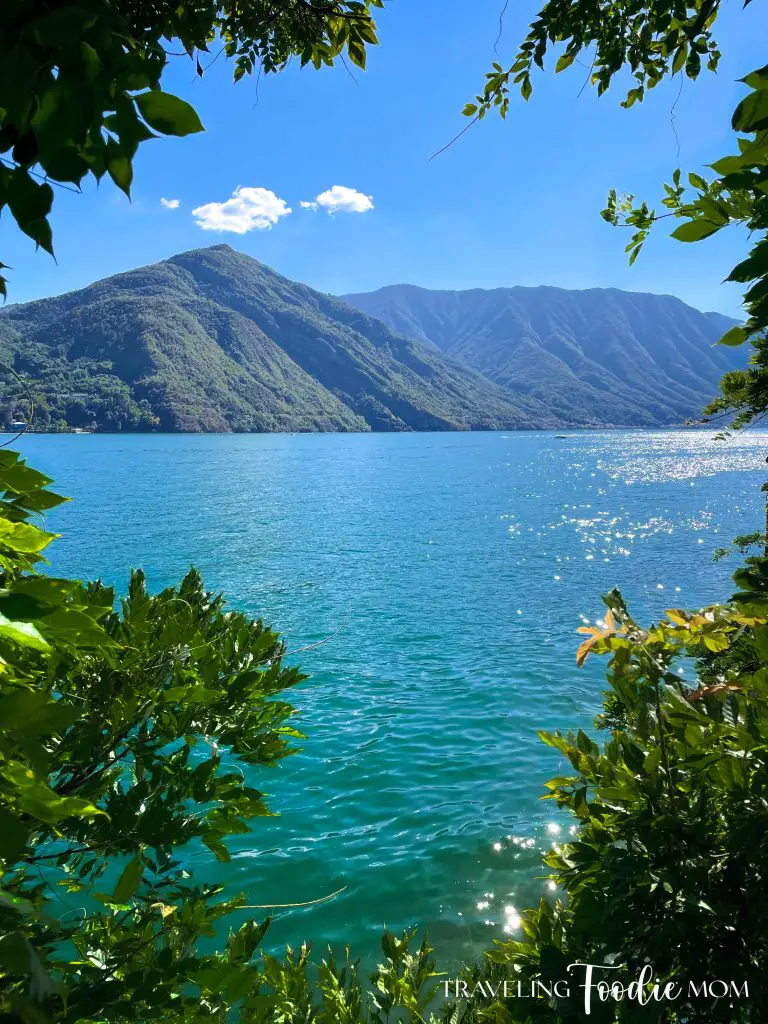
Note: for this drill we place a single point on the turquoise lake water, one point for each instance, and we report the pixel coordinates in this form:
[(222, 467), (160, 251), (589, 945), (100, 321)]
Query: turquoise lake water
[(454, 570)]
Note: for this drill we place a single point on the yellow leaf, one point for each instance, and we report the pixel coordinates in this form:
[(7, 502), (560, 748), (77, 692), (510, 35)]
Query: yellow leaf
[(165, 909), (584, 649), (676, 616)]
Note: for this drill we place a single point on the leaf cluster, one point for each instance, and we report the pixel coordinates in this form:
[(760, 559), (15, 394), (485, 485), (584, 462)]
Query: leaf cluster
[(650, 40), (669, 858), (128, 735), (737, 196), (124, 732), (80, 81)]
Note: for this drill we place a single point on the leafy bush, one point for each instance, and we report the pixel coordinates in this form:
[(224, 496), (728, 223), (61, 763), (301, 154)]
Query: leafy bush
[(669, 860), (121, 734), (124, 736)]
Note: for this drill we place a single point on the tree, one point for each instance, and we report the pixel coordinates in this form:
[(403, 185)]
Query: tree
[(668, 864), (80, 80), (120, 737)]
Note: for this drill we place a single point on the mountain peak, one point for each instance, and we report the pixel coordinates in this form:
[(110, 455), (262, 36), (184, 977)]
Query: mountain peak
[(213, 340), (220, 249)]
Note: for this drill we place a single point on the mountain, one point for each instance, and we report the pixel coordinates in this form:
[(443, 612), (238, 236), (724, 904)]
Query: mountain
[(599, 356), (213, 340)]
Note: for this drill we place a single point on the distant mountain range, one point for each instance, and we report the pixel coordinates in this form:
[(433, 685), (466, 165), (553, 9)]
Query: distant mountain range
[(600, 356), (213, 340)]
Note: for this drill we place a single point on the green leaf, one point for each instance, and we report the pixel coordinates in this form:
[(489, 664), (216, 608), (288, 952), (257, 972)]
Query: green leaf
[(243, 944), (40, 501), (45, 588), (356, 51), (754, 266), (757, 79), (23, 537), (32, 712), (695, 230), (217, 848), (13, 835), (129, 880), (680, 58), (119, 167), (140, 71), (714, 210), (18, 956), (23, 634), (28, 199), (30, 204), (168, 114), (751, 115), (728, 164), (35, 797), (736, 336), (69, 627), (128, 126), (22, 479)]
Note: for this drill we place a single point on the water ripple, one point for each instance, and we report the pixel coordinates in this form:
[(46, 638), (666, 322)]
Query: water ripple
[(459, 567)]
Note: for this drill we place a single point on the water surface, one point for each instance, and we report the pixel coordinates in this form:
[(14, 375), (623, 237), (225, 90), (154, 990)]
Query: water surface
[(453, 570)]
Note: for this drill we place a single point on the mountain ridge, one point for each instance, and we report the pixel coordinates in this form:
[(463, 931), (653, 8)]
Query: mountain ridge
[(633, 358), (212, 339)]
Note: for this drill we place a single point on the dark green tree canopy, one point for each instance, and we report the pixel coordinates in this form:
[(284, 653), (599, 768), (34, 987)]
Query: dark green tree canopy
[(80, 80)]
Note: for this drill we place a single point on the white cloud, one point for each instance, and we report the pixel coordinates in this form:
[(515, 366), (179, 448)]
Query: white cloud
[(340, 198), (246, 209), (308, 206), (169, 204)]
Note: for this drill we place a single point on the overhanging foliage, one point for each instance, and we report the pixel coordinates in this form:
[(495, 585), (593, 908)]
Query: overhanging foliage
[(80, 80)]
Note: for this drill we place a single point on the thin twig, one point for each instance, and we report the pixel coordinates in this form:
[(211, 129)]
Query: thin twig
[(285, 906), (13, 165), (347, 69), (455, 138), (672, 116), (587, 79), (740, 430), (28, 423), (311, 647), (212, 62), (501, 25)]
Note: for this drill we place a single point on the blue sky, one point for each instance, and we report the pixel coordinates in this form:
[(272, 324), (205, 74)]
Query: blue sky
[(510, 203)]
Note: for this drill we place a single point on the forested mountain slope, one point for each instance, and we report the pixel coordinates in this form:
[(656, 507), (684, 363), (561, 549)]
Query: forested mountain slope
[(214, 340), (600, 355)]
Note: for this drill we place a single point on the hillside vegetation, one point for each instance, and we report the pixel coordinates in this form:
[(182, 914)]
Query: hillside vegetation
[(601, 355), (213, 340)]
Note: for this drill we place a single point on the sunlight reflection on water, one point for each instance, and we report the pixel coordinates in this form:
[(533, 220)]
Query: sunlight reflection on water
[(458, 568)]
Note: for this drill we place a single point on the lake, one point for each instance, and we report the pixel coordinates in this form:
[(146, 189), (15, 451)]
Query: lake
[(450, 572)]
